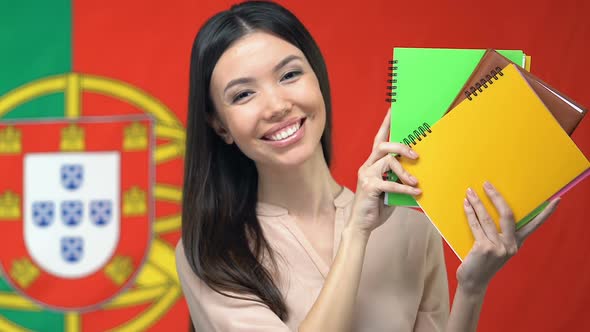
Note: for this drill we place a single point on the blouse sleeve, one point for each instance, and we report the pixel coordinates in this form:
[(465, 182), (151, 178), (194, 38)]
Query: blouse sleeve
[(433, 311), (211, 311)]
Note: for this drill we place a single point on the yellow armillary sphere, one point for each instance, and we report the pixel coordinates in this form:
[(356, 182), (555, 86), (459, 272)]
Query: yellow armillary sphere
[(157, 284)]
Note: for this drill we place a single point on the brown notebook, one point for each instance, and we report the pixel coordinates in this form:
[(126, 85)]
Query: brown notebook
[(567, 113)]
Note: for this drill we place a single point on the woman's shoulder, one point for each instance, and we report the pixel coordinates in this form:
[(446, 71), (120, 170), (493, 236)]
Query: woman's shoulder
[(194, 288), (179, 254), (182, 266), (188, 278)]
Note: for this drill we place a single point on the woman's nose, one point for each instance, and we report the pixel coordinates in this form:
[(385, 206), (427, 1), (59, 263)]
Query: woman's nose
[(277, 105)]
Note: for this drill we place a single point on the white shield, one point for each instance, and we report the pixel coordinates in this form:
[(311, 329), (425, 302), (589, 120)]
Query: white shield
[(72, 210)]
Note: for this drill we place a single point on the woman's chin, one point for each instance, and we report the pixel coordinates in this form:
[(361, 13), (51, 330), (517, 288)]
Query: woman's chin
[(296, 158)]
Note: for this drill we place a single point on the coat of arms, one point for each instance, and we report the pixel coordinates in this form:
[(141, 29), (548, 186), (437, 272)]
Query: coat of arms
[(75, 207)]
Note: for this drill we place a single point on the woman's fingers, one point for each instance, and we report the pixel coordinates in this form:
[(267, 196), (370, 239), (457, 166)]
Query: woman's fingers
[(391, 163), (474, 224), (529, 228), (375, 187), (394, 187), (371, 176), (507, 223), (384, 148), (486, 222), (383, 132)]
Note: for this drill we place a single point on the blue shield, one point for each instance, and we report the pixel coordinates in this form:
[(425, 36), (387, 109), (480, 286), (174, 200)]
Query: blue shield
[(101, 212), (72, 248), (43, 213), (72, 176), (72, 212)]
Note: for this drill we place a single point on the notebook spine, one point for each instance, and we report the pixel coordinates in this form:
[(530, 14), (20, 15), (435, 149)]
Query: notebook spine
[(392, 81), (483, 83), (417, 135)]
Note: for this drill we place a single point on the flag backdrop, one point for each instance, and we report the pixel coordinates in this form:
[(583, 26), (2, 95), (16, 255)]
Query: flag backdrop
[(73, 59)]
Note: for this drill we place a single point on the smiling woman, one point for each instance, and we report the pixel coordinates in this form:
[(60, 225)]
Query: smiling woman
[(270, 241), (222, 237), (272, 109)]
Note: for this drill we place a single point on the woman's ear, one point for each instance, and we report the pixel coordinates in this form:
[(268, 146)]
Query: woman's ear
[(220, 129)]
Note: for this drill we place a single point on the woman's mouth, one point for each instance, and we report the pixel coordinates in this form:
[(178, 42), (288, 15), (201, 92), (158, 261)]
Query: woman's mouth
[(286, 135)]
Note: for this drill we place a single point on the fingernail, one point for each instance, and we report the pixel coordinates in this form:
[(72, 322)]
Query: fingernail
[(413, 153), (466, 203), (488, 186), (416, 191), (471, 193), (413, 179)]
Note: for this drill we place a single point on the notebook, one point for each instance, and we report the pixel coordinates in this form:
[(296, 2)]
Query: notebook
[(411, 109), (566, 111), (505, 135)]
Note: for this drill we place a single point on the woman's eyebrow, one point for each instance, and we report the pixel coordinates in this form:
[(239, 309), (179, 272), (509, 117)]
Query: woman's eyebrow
[(245, 80), (242, 80), (285, 61)]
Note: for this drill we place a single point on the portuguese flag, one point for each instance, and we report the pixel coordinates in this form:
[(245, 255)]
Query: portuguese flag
[(67, 60), (75, 59)]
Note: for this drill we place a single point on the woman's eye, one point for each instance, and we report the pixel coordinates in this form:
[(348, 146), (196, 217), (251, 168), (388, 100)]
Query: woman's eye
[(291, 75), (241, 95)]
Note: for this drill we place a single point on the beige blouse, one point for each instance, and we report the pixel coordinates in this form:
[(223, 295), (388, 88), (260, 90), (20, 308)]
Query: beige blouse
[(403, 284)]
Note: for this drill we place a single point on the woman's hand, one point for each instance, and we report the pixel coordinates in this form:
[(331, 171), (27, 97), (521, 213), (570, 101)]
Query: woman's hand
[(492, 249), (369, 210)]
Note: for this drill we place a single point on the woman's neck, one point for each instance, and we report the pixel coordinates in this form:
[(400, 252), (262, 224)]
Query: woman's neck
[(307, 190)]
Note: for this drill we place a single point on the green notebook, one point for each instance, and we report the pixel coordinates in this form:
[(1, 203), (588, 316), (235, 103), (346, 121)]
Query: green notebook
[(424, 83)]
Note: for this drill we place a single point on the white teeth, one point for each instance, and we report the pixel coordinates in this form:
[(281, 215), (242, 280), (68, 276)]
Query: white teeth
[(284, 133)]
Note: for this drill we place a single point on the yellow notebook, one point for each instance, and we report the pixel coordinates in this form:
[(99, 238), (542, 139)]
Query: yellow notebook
[(504, 135)]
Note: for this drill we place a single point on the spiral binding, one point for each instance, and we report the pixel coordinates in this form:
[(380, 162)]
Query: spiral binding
[(392, 81), (416, 135), (483, 83)]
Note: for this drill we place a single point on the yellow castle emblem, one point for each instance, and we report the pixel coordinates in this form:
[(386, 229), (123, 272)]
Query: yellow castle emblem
[(24, 272), (134, 202), (9, 206), (135, 137), (119, 269), (72, 138), (10, 140)]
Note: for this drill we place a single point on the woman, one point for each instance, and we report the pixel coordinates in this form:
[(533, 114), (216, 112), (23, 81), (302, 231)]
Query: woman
[(270, 241)]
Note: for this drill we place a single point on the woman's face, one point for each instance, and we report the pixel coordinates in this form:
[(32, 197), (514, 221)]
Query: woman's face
[(268, 101)]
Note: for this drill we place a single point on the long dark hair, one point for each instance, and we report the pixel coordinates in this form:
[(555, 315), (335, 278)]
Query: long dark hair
[(222, 238)]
